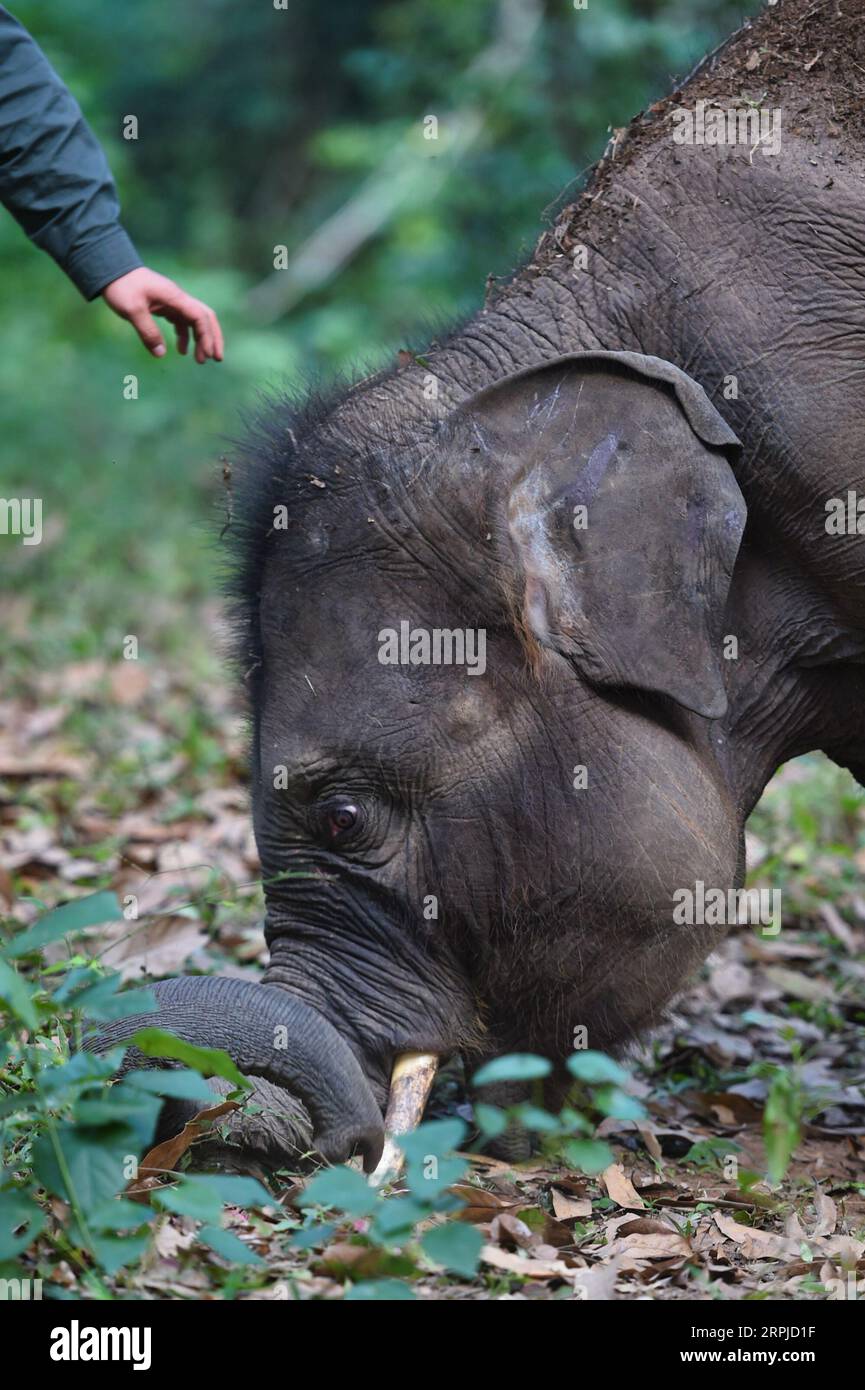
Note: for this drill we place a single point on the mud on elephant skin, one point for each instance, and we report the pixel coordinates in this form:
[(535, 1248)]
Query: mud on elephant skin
[(479, 856)]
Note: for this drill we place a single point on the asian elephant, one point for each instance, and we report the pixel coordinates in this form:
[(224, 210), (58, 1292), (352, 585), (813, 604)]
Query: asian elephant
[(528, 621)]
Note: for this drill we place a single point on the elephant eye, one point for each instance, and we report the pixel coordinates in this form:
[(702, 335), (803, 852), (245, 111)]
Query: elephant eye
[(339, 820)]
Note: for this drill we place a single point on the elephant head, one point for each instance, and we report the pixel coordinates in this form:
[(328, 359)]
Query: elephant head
[(466, 854)]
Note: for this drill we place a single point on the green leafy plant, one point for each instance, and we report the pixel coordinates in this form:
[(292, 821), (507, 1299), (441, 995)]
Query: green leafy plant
[(566, 1137), (70, 1141), (783, 1114), (385, 1240), (374, 1238)]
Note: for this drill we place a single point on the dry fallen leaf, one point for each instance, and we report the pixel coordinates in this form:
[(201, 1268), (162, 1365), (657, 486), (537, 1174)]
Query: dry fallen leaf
[(569, 1208), (838, 927), (507, 1229), (645, 1226), (157, 945), (730, 980), (343, 1260), (637, 1250), (46, 760), (827, 1215), (620, 1188), (727, 1107), (481, 1205), (521, 1264), (798, 986), (128, 681), (137, 826), (169, 1240), (754, 1243), (165, 1157), (597, 1284), (648, 1134)]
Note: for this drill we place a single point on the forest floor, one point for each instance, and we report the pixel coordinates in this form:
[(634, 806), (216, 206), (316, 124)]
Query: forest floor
[(132, 776)]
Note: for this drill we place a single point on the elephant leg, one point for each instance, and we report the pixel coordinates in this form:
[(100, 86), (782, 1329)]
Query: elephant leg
[(514, 1145)]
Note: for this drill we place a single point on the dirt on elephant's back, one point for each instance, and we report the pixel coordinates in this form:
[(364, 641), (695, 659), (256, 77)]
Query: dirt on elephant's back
[(805, 57)]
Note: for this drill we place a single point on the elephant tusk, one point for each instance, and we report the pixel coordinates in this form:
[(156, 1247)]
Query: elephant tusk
[(410, 1083)]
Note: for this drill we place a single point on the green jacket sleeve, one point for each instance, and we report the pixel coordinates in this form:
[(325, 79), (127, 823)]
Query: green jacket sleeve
[(54, 177)]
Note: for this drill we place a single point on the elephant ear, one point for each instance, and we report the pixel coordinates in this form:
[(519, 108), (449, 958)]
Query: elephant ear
[(625, 516)]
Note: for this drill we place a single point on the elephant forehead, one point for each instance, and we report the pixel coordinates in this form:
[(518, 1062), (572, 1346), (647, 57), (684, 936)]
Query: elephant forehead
[(343, 705), (364, 621), (453, 677), (350, 595)]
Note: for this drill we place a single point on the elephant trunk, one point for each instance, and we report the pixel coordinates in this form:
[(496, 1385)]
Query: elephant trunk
[(271, 1033)]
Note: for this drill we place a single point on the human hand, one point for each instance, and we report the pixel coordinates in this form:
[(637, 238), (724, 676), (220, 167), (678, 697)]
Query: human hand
[(142, 293)]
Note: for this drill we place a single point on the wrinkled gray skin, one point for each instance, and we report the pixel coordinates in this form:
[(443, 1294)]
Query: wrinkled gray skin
[(452, 506)]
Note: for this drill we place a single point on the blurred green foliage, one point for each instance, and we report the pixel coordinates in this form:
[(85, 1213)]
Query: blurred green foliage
[(256, 125)]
